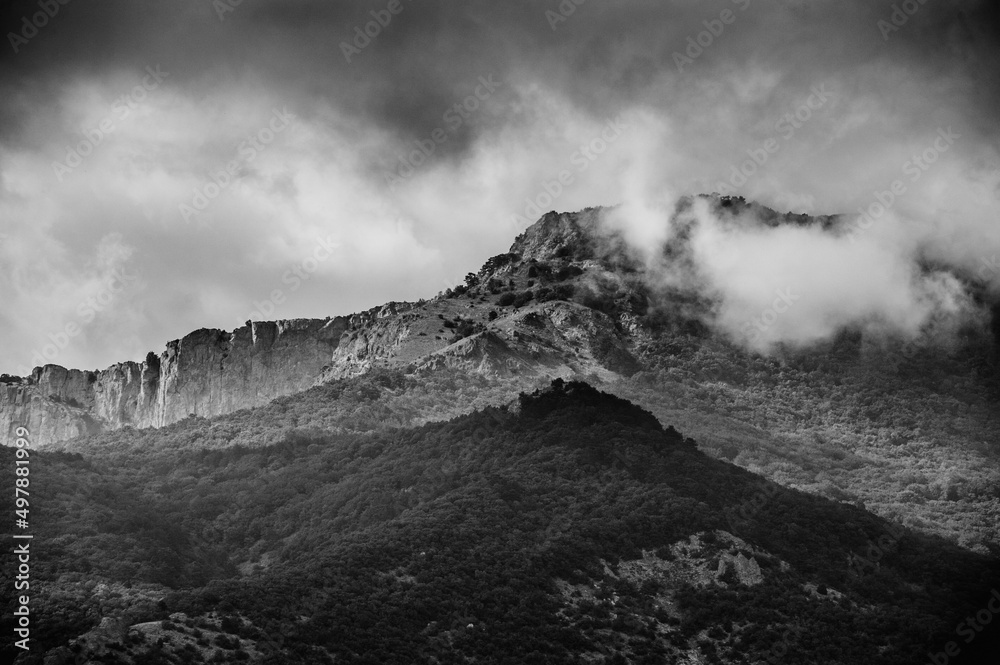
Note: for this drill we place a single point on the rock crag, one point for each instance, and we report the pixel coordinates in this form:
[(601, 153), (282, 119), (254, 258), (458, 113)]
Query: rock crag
[(207, 373)]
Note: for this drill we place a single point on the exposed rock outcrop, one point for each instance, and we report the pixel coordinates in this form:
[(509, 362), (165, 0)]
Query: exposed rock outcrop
[(553, 305), (746, 570), (207, 373)]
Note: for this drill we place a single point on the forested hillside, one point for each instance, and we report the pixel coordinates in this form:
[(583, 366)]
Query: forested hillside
[(906, 427), (569, 527)]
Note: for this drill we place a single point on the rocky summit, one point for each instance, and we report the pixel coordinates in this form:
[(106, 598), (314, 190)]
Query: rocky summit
[(516, 316), (565, 454), (569, 298)]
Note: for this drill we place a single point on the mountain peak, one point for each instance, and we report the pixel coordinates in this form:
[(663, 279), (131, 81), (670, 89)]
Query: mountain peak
[(559, 235), (583, 403)]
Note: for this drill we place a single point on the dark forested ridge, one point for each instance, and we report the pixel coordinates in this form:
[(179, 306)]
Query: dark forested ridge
[(569, 526)]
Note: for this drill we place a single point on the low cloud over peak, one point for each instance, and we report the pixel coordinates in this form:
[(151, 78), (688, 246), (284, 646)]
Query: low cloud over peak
[(812, 107)]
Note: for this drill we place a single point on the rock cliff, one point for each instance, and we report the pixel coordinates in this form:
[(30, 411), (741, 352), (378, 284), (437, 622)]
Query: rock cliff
[(517, 316), (207, 373), (568, 298)]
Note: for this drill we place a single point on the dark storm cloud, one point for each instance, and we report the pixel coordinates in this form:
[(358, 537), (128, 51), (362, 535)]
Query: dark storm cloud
[(431, 54)]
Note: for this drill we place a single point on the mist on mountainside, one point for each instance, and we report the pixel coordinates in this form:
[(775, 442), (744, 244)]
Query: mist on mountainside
[(776, 278)]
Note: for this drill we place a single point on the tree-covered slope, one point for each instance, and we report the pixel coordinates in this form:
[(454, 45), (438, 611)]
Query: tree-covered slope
[(907, 428), (570, 527)]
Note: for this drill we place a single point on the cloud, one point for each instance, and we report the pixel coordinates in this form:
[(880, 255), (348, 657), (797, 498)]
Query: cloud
[(559, 90), (799, 285)]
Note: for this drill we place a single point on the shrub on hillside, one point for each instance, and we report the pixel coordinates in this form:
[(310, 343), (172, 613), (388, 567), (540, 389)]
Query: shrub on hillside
[(499, 261), (540, 270), (523, 299), (463, 330), (560, 292), (568, 272)]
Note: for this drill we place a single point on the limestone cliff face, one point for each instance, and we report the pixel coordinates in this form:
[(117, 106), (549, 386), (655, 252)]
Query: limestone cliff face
[(373, 338), (46, 404), (207, 373), (554, 305)]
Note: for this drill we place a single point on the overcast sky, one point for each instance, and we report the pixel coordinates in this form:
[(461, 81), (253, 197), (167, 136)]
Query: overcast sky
[(115, 117)]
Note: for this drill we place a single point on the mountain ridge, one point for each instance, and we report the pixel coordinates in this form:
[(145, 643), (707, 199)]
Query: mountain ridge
[(570, 297), (905, 427), (575, 527), (211, 372), (193, 375)]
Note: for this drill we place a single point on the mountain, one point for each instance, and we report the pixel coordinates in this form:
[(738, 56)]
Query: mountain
[(568, 526), (569, 298), (906, 428), (243, 466), (213, 372), (208, 373)]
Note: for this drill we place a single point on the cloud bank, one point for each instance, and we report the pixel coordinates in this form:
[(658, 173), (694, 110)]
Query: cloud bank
[(813, 107)]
